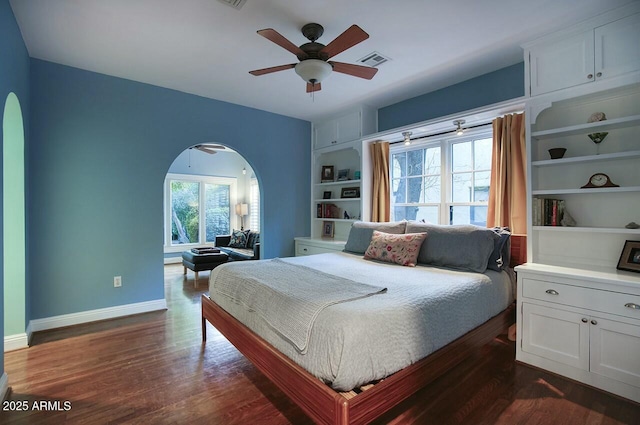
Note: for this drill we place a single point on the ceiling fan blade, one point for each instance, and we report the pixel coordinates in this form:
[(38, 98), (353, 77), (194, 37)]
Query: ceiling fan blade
[(311, 88), (352, 36), (213, 146), (263, 71), (273, 35), (205, 150), (356, 70)]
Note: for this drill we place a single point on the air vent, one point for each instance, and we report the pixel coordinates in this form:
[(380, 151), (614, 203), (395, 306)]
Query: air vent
[(374, 59), (236, 4)]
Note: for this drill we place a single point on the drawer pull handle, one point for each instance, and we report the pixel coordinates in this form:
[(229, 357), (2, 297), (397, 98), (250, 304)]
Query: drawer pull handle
[(552, 292), (584, 320), (599, 74), (593, 322), (590, 76), (633, 306)]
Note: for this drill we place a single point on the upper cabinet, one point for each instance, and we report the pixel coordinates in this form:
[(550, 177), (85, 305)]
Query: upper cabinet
[(346, 127), (604, 48), (565, 63)]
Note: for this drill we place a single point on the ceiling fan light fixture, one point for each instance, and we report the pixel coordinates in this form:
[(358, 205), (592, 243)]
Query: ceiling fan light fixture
[(459, 130), (313, 70), (407, 137)]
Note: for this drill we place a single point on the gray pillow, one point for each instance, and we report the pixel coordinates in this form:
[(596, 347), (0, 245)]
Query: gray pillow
[(464, 247), (361, 232)]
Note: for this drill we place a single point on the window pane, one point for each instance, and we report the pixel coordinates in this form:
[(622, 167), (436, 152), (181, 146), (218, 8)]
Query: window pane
[(481, 186), (399, 187), (469, 214), (414, 162), (482, 153), (461, 187), (461, 157), (184, 212), (218, 209), (431, 189), (414, 189), (399, 165), (432, 161), (426, 213)]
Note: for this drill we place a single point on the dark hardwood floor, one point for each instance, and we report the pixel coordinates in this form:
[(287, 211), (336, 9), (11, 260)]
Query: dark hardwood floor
[(152, 368)]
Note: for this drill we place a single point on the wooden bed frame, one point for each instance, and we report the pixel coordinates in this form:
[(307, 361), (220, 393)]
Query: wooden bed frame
[(327, 406)]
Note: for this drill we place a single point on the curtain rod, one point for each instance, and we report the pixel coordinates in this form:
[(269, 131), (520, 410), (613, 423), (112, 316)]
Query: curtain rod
[(442, 133)]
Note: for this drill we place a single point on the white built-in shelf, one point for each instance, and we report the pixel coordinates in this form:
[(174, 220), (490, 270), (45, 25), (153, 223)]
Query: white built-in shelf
[(596, 127), (588, 158), (350, 220), (336, 183), (337, 199), (584, 191), (621, 230)]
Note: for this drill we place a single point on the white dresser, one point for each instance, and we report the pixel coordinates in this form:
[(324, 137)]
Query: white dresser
[(581, 324), (310, 246)]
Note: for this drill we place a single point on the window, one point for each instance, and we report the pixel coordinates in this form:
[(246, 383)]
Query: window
[(254, 206), (197, 208), (443, 180)]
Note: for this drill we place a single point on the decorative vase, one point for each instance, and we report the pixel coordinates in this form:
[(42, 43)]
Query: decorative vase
[(597, 138), (557, 153)]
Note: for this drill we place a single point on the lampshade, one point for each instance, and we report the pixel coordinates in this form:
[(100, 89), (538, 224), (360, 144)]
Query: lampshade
[(313, 70), (242, 209)]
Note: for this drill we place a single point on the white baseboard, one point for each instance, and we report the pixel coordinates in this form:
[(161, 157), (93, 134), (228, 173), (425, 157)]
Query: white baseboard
[(173, 260), (4, 386), (16, 342), (94, 315)]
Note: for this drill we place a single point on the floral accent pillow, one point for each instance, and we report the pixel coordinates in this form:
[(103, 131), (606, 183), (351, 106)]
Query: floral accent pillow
[(238, 239), (401, 249)]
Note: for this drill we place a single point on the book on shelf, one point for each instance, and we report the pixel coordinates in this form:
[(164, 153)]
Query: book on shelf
[(547, 212), (326, 210)]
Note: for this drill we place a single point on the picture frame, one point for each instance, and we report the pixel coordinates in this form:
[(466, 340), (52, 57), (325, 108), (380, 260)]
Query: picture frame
[(327, 194), (327, 229), (630, 257), (350, 192), (327, 174), (343, 175)]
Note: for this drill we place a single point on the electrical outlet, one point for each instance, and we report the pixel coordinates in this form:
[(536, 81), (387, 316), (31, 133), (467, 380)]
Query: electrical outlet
[(117, 281)]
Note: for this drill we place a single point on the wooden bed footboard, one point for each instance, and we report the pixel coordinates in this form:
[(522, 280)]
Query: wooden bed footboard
[(323, 404)]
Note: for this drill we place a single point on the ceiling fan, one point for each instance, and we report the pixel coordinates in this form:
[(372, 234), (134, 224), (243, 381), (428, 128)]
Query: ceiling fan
[(209, 148), (314, 57)]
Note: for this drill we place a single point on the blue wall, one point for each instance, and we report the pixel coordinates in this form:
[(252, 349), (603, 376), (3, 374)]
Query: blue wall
[(14, 74), (503, 84), (100, 149)]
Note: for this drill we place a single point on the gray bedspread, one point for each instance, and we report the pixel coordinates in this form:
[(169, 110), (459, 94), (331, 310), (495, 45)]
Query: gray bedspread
[(356, 342), (288, 296)]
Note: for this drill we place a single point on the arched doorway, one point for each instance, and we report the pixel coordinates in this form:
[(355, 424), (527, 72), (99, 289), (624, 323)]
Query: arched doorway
[(14, 243), (204, 190)]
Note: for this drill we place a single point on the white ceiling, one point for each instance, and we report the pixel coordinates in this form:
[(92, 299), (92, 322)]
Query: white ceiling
[(207, 48)]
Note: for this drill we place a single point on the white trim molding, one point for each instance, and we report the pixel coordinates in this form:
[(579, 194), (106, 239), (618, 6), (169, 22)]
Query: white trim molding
[(173, 260), (4, 386), (16, 342), (95, 315)]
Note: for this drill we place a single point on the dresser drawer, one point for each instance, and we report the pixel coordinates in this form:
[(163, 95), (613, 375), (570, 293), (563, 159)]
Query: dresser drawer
[(592, 299), (303, 249)]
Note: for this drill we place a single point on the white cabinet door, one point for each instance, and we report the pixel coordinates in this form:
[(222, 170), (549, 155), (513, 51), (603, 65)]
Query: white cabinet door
[(615, 350), (349, 127), (556, 334), (617, 47), (325, 134), (561, 64)]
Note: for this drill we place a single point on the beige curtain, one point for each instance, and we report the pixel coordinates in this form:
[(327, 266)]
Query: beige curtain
[(507, 192), (380, 197)]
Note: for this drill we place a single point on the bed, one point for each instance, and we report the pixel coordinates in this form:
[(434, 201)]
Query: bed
[(348, 373)]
